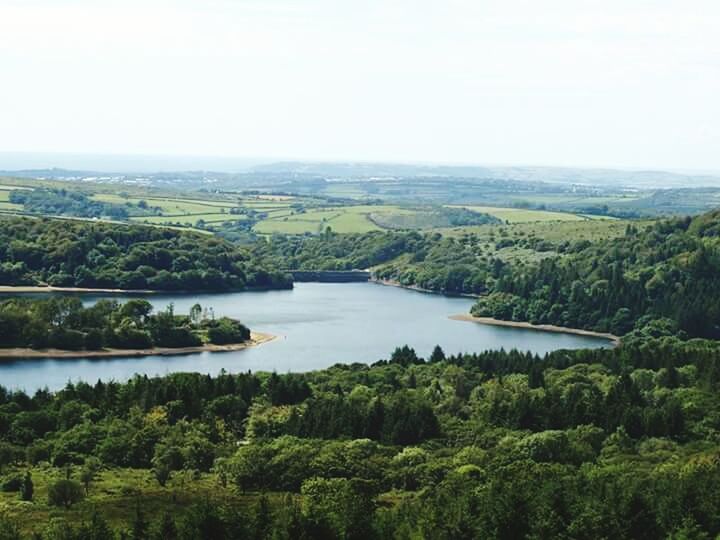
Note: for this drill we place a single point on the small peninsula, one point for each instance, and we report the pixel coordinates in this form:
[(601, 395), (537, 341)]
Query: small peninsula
[(63, 327)]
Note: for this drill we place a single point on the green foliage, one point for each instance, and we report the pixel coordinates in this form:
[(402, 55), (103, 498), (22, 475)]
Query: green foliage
[(64, 323), (70, 203), (65, 493), (618, 443), (432, 217), (225, 330), (101, 255), (661, 281)]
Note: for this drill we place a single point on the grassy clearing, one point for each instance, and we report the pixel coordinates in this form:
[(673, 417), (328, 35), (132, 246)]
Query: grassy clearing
[(342, 219), (116, 493), (521, 215)]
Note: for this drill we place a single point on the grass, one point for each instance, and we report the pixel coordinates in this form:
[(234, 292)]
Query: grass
[(116, 493), (187, 212), (170, 206), (365, 218), (342, 219), (6, 206), (522, 215), (591, 230), (188, 219)]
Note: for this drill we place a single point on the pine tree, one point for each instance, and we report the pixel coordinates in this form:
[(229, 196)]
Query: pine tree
[(438, 355)]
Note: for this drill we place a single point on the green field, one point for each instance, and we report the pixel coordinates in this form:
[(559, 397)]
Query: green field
[(522, 215), (170, 206), (187, 212), (188, 219), (6, 206), (342, 219)]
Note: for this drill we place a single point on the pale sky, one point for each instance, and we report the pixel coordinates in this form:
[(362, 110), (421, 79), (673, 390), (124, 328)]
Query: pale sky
[(633, 83)]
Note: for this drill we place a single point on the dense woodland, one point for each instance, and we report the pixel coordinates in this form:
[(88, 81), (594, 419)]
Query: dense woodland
[(608, 443), (664, 277), (102, 255), (64, 323)]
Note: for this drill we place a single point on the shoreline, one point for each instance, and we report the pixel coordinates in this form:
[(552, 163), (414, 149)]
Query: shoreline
[(256, 339), (393, 283), (50, 288), (615, 340), (23, 289)]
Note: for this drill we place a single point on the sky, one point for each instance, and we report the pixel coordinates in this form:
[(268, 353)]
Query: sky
[(611, 83)]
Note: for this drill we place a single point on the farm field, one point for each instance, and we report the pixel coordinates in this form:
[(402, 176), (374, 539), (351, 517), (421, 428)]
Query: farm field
[(568, 199), (342, 219), (522, 215), (188, 220), (169, 206), (187, 212), (6, 206)]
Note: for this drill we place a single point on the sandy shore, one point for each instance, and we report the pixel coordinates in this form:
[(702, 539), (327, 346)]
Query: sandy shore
[(256, 338), (542, 327)]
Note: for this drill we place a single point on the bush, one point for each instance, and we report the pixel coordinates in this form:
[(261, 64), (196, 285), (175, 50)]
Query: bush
[(65, 493), (226, 331), (12, 484), (37, 452), (94, 340)]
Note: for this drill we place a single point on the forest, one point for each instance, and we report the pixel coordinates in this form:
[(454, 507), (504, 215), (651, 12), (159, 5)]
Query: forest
[(662, 278), (64, 323), (605, 443), (102, 255)]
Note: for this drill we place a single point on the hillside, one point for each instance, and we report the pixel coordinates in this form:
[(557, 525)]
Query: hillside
[(661, 279), (102, 255)]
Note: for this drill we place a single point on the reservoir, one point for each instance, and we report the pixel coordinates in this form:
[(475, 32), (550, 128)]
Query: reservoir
[(316, 324)]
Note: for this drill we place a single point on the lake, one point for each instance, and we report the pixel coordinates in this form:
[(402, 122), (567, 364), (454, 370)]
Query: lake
[(317, 324)]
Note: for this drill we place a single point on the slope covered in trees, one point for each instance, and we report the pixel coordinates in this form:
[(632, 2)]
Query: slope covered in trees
[(101, 255), (428, 260), (663, 279), (617, 443)]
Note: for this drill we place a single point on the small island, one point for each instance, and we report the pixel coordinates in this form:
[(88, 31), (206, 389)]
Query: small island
[(63, 327)]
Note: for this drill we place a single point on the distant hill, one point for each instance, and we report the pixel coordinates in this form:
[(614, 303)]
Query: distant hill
[(629, 178)]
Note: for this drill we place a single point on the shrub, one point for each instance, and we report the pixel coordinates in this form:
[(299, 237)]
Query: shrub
[(65, 493), (14, 483), (226, 331)]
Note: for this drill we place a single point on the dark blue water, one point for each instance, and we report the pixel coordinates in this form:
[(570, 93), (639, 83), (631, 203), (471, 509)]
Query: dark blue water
[(317, 326)]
